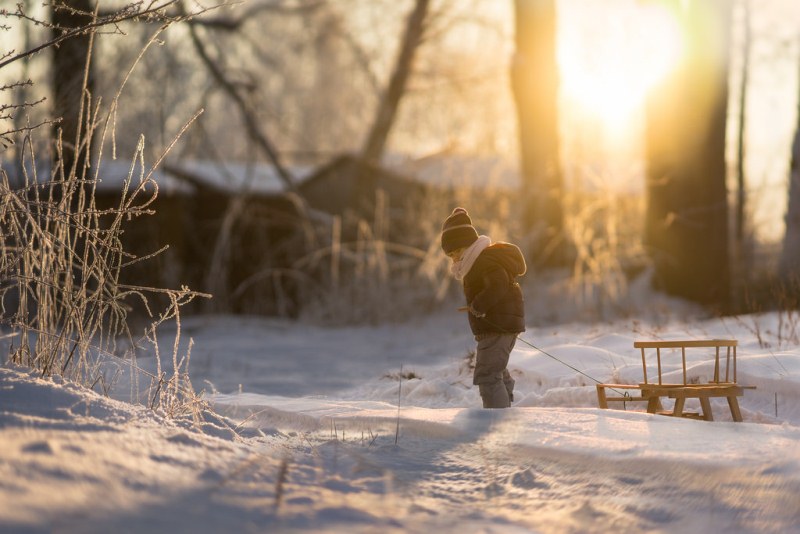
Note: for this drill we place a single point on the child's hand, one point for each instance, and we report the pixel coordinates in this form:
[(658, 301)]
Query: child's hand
[(471, 310), (476, 313)]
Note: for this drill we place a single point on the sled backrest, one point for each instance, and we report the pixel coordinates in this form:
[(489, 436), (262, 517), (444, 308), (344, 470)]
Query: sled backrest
[(724, 369)]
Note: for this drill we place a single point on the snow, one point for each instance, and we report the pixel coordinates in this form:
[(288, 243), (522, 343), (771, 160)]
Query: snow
[(309, 436)]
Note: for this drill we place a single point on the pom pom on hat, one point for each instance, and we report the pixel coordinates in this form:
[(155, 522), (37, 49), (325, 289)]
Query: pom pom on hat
[(457, 231)]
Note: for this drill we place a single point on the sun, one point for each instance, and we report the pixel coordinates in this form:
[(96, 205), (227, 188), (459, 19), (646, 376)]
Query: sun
[(610, 54)]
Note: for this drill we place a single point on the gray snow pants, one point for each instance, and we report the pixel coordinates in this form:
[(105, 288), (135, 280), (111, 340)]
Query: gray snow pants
[(491, 376)]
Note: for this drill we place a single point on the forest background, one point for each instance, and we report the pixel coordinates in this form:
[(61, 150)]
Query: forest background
[(612, 140)]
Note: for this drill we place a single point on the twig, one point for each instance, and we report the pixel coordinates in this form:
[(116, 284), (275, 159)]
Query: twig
[(280, 481), (399, 398)]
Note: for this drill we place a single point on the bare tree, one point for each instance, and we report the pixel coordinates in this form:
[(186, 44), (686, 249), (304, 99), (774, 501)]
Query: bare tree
[(686, 225), (535, 84), (72, 25), (789, 266), (246, 110), (72, 74), (741, 193), (387, 109)]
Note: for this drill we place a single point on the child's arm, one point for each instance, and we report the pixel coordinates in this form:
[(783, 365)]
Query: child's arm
[(497, 286)]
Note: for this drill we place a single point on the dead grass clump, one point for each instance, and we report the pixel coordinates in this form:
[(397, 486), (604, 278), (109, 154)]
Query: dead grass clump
[(62, 294)]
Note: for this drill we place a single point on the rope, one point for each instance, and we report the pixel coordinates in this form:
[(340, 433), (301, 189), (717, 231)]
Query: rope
[(562, 362), (624, 394)]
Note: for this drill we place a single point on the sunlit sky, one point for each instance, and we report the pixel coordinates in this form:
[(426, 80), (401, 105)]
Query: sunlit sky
[(612, 52), (610, 58)]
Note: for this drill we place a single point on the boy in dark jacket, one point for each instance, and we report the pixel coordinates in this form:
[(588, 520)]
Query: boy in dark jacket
[(494, 301)]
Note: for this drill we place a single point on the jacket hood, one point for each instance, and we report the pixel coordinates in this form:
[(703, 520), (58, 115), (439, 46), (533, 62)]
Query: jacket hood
[(509, 256)]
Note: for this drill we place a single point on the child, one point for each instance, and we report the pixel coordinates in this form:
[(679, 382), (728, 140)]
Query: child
[(496, 312)]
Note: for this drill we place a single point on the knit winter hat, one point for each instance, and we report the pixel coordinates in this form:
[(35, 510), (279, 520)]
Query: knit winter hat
[(457, 231)]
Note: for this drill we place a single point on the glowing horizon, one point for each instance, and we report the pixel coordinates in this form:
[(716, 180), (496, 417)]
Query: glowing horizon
[(607, 69)]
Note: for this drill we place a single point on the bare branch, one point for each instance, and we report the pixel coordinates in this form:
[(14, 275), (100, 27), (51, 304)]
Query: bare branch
[(233, 24), (248, 114), (154, 12), (387, 109)]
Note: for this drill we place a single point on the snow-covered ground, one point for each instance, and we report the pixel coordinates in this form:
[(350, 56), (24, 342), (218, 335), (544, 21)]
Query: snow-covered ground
[(313, 438)]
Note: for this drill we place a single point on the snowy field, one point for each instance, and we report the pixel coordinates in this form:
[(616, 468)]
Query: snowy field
[(313, 438)]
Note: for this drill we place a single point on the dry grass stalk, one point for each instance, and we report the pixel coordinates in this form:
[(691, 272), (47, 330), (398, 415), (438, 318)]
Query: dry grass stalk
[(62, 258)]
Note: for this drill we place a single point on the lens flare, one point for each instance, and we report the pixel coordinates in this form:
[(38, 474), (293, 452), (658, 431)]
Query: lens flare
[(611, 59)]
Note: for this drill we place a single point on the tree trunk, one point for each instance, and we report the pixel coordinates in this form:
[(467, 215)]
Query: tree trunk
[(686, 227), (69, 79), (534, 81), (742, 264), (390, 102), (789, 266), (741, 192), (22, 94)]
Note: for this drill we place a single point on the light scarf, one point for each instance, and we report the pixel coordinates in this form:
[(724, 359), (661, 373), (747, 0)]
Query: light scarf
[(460, 268)]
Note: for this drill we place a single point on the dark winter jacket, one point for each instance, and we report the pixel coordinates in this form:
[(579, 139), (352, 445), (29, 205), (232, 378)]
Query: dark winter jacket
[(491, 288)]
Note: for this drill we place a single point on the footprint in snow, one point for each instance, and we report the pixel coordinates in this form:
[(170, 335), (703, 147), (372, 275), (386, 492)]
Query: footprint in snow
[(653, 514), (39, 447), (527, 480), (587, 513), (184, 439), (494, 490)]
